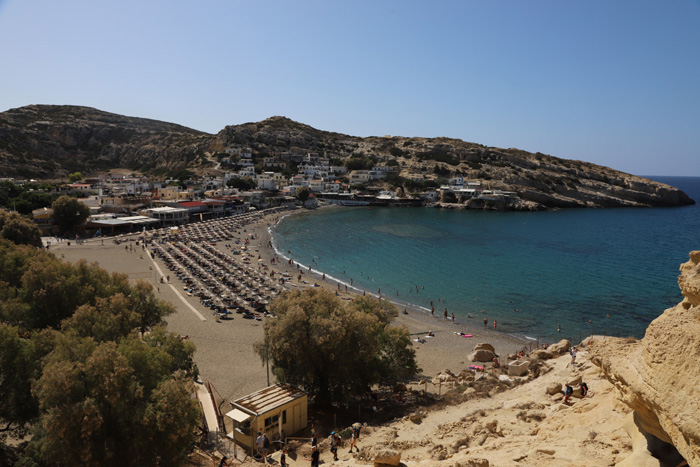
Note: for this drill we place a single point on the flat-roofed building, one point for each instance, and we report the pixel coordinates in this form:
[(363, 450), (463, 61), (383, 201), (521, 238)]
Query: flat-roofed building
[(168, 215), (279, 410)]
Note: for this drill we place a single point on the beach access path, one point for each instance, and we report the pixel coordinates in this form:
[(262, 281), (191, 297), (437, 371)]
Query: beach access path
[(224, 352)]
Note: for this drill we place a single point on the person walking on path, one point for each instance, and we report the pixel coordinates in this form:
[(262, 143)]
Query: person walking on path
[(259, 441), (314, 457), (568, 391), (335, 441), (266, 447), (573, 352), (354, 437), (283, 458)]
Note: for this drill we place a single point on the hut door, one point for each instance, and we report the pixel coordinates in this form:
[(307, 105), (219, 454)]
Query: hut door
[(296, 418)]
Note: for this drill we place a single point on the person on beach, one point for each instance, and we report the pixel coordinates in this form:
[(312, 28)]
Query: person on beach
[(494, 324), (445, 313), (453, 317), (573, 352), (432, 310)]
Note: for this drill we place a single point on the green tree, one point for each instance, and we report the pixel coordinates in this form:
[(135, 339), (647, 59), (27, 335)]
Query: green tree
[(303, 194), (74, 177), (8, 191), (69, 212), (245, 183), (112, 404), (333, 350), (19, 229), (19, 364), (108, 385), (359, 162)]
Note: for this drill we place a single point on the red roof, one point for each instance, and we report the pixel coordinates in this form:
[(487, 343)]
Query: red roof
[(191, 204)]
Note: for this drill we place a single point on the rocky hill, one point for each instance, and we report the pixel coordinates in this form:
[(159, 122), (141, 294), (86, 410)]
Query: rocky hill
[(48, 141)]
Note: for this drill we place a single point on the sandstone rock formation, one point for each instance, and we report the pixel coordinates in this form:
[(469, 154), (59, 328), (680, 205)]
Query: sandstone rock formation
[(658, 376), (481, 355)]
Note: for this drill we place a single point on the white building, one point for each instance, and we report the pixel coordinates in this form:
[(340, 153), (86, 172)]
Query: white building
[(266, 181), (168, 215), (359, 176), (247, 172)]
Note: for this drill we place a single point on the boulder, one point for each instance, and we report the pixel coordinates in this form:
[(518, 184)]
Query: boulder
[(484, 346), (504, 379), (384, 456), (553, 388), (444, 376), (560, 348), (541, 354), (482, 355), (575, 382)]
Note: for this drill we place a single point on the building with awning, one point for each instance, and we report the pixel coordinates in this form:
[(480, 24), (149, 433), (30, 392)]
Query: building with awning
[(107, 224), (279, 410), (168, 215)]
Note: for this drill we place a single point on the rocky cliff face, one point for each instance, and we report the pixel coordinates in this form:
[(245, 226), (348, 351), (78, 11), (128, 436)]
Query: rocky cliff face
[(43, 141), (658, 377)]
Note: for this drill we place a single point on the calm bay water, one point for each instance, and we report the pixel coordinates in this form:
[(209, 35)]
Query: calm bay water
[(529, 271)]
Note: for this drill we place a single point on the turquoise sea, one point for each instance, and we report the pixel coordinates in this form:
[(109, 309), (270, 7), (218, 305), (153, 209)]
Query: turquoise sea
[(530, 271)]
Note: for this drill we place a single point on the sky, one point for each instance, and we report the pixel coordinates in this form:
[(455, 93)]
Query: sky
[(615, 83)]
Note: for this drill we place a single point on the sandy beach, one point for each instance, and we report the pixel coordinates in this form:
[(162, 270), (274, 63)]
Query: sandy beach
[(225, 354)]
